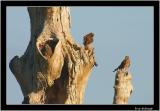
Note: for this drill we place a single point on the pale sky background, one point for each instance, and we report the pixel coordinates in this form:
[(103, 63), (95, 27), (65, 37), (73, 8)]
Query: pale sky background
[(119, 31)]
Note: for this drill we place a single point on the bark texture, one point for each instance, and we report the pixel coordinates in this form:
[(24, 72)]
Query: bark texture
[(54, 69), (123, 87)]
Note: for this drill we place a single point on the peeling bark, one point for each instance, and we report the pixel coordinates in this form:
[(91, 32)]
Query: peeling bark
[(54, 69)]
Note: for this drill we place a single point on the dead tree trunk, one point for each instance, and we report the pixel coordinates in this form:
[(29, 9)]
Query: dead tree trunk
[(123, 87), (54, 69)]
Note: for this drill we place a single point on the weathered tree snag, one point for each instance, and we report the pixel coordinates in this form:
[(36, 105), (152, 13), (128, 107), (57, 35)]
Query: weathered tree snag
[(123, 87), (54, 69)]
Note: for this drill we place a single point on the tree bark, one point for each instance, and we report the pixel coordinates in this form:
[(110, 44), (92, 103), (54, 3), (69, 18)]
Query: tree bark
[(123, 87), (54, 69)]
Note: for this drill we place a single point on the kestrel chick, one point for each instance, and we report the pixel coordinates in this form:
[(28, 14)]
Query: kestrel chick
[(46, 51), (124, 64)]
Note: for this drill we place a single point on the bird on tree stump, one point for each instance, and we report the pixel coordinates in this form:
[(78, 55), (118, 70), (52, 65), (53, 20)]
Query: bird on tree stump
[(87, 42), (123, 82), (124, 64)]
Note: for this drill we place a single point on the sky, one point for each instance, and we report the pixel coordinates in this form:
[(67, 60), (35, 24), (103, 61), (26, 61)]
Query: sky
[(119, 31)]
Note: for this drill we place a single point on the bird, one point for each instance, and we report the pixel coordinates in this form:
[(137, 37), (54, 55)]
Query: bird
[(46, 51), (87, 40), (124, 64)]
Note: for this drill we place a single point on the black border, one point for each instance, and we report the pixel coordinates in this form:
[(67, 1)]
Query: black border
[(154, 4)]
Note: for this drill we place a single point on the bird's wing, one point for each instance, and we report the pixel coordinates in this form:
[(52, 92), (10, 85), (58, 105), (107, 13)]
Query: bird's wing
[(122, 64)]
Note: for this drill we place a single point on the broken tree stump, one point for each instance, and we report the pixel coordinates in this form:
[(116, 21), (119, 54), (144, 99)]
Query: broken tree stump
[(54, 69), (123, 84)]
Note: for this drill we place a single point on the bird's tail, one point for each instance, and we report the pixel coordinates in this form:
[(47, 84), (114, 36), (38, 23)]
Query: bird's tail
[(115, 69)]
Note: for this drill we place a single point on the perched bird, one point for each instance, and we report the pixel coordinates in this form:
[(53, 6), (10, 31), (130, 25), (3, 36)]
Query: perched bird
[(124, 64), (46, 51), (47, 47), (87, 40)]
